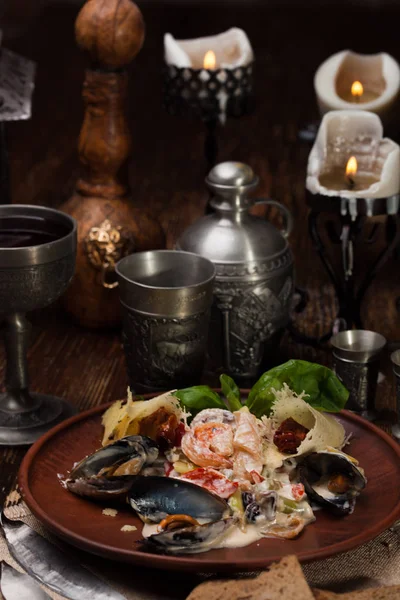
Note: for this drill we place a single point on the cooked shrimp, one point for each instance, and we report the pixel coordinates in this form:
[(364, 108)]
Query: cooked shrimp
[(247, 436), (248, 455), (243, 466), (214, 415), (209, 445)]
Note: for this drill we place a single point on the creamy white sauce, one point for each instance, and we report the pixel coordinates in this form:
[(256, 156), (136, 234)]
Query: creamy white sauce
[(322, 490), (150, 529), (286, 491), (236, 538)]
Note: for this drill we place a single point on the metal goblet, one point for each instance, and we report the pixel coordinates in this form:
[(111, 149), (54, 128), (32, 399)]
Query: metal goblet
[(395, 359), (356, 354), (37, 260)]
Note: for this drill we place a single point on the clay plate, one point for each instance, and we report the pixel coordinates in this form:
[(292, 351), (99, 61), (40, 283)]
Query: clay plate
[(82, 523)]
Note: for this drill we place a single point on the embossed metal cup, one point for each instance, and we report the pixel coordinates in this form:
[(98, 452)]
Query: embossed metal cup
[(395, 359), (356, 356), (166, 297)]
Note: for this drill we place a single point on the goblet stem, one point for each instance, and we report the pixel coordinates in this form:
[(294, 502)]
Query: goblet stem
[(16, 339)]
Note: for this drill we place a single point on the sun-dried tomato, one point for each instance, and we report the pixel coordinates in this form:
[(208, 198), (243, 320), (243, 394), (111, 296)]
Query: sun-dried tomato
[(162, 427), (167, 432), (289, 436), (179, 433)]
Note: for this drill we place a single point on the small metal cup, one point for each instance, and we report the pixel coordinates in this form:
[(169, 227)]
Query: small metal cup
[(166, 297), (395, 358), (356, 356)]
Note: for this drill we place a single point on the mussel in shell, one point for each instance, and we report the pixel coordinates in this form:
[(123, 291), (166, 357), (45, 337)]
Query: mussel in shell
[(191, 540), (154, 498), (260, 506), (109, 471), (332, 480)]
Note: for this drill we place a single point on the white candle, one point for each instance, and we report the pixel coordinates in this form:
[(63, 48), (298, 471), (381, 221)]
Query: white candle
[(232, 49), (375, 170), (351, 81), (225, 51)]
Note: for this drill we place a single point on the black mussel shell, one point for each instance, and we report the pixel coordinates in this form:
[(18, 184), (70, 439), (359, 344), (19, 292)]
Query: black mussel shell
[(101, 488), (154, 498), (116, 454), (320, 465), (190, 540), (90, 477), (259, 506)]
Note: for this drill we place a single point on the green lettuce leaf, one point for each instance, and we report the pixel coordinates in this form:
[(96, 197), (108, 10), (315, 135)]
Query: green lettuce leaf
[(199, 397), (325, 391), (231, 392)]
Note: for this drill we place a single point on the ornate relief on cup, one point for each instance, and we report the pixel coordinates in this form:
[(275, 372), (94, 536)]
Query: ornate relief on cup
[(105, 245), (24, 287), (164, 352), (255, 312)]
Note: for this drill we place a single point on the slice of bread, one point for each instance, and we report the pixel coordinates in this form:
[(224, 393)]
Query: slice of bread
[(386, 593), (283, 581)]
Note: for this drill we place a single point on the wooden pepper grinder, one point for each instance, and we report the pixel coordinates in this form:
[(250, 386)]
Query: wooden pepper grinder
[(109, 226)]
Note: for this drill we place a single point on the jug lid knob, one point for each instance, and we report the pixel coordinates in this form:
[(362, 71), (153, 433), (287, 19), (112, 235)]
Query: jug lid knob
[(232, 174)]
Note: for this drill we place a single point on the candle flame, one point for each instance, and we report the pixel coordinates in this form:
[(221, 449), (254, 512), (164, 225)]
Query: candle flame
[(209, 60), (351, 167), (357, 89)]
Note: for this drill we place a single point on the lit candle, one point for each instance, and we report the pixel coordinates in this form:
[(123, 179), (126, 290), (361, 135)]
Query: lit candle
[(357, 91), (359, 94), (348, 80), (351, 171), (209, 64), (351, 159), (210, 60), (347, 178), (223, 53), (231, 49)]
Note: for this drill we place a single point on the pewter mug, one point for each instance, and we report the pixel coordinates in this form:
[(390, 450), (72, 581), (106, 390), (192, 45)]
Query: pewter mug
[(356, 356), (254, 272), (395, 360), (166, 298)]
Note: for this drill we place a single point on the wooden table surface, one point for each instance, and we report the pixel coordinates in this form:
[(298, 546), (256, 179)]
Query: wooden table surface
[(168, 168)]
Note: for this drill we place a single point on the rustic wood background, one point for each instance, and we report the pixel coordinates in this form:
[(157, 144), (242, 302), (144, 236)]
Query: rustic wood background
[(167, 167)]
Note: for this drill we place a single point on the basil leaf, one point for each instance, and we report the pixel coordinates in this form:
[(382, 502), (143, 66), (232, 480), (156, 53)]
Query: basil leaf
[(231, 392), (325, 391), (198, 398)]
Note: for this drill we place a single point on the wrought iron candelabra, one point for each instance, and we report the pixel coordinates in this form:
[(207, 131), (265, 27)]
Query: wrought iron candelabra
[(355, 216), (209, 95)]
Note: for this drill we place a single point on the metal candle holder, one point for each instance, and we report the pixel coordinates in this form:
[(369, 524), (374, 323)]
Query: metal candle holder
[(354, 214), (210, 95)]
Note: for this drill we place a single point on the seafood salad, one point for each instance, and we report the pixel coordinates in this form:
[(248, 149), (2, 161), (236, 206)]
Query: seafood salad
[(202, 472)]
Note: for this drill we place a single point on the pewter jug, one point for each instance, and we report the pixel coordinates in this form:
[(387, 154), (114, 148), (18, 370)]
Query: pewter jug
[(254, 272)]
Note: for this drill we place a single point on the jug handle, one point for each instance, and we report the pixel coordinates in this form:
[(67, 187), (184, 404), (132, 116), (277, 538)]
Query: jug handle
[(286, 214)]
